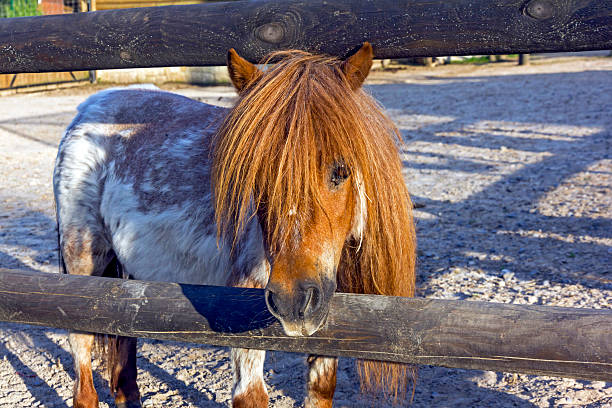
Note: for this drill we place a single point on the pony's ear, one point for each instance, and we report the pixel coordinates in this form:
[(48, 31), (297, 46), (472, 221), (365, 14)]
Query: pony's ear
[(241, 71), (357, 67)]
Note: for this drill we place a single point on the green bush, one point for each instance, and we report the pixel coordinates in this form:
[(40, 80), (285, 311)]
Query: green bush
[(19, 8)]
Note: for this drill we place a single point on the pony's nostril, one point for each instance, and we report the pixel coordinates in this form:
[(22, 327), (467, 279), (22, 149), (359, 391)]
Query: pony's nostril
[(312, 301), (302, 304), (271, 304), (306, 302)]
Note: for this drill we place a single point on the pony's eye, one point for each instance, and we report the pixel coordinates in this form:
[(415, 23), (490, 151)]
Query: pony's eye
[(338, 175)]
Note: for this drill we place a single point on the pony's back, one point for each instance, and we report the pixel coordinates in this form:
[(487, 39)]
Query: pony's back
[(132, 181)]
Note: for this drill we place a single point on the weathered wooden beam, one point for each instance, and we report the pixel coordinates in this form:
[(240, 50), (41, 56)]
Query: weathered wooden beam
[(202, 34), (544, 340)]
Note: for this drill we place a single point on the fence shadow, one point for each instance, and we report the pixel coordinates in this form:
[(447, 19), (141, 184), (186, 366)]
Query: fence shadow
[(187, 391), (448, 113), (36, 386), (30, 232), (26, 127), (499, 217), (435, 387)]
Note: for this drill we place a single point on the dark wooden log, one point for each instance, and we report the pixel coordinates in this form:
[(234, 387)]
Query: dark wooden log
[(523, 59), (202, 34), (544, 340)]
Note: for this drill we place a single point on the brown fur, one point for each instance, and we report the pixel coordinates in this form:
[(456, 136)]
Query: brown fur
[(81, 253), (288, 124), (357, 67), (237, 281), (240, 70), (119, 356), (85, 395), (255, 397), (122, 369), (321, 386)]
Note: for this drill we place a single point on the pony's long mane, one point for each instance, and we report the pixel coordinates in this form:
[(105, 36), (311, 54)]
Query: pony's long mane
[(268, 155)]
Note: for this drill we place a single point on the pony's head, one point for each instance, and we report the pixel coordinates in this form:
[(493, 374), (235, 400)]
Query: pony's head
[(313, 157)]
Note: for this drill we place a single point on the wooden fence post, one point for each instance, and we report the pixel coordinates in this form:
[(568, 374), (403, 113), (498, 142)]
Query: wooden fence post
[(523, 59)]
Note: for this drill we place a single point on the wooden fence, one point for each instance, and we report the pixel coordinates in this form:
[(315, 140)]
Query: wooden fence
[(201, 34), (531, 339), (544, 340)]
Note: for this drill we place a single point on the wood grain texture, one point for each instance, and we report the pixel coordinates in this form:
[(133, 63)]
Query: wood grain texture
[(555, 341), (201, 34)]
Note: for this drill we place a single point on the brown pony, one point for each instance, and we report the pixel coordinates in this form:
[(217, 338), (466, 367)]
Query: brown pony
[(302, 195)]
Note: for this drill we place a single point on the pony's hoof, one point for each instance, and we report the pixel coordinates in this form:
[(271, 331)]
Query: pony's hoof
[(129, 404)]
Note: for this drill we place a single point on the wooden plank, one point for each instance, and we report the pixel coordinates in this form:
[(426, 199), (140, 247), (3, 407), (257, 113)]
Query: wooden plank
[(544, 340), (201, 34)]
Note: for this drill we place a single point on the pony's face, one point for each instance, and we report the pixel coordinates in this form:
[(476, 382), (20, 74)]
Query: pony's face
[(316, 162), (308, 200), (303, 272)]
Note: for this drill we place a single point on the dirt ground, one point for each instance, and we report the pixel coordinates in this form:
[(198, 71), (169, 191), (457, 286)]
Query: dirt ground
[(511, 167)]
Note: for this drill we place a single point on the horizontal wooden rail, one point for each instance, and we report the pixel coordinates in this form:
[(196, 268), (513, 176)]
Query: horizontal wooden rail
[(202, 34), (544, 340)]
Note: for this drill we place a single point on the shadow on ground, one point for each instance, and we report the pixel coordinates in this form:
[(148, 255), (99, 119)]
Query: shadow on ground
[(494, 219), (482, 223)]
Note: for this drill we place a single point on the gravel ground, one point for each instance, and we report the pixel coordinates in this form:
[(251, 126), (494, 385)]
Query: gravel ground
[(511, 168)]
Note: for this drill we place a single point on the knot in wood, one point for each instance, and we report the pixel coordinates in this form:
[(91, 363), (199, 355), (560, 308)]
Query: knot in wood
[(540, 9), (272, 33)]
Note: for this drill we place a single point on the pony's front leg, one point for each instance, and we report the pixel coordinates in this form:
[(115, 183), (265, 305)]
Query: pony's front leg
[(84, 395), (249, 390), (321, 381)]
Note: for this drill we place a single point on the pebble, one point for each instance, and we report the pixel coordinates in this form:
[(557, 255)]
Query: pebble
[(598, 384), (489, 377)]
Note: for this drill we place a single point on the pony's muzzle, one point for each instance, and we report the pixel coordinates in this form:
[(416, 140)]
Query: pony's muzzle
[(302, 310)]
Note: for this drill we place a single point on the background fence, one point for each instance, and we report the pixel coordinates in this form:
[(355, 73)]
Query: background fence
[(24, 8)]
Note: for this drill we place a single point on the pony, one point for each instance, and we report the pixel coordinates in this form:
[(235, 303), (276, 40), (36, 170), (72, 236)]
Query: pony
[(297, 189)]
